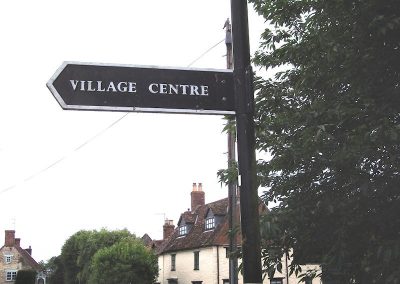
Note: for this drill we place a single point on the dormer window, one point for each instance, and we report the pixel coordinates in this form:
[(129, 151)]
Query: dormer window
[(210, 223), (183, 230)]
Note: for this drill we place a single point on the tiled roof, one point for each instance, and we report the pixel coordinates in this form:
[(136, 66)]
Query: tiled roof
[(218, 207), (29, 261), (147, 240), (197, 236), (188, 217), (156, 245), (28, 258)]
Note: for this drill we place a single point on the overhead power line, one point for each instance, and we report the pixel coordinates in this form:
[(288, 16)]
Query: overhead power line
[(32, 176), (64, 157), (205, 52)]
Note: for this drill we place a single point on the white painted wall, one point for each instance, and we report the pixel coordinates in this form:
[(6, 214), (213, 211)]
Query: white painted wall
[(208, 268)]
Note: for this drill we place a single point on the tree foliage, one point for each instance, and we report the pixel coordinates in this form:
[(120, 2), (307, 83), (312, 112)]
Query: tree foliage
[(127, 261), (77, 254), (331, 120), (54, 270)]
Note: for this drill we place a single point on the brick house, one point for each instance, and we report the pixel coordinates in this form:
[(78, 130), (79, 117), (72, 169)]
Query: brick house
[(14, 258), (196, 251)]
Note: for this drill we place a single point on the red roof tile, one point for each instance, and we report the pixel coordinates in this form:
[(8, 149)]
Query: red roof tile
[(197, 236)]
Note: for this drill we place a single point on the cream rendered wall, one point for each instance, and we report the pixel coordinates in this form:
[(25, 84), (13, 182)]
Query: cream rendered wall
[(292, 278), (185, 273), (208, 268)]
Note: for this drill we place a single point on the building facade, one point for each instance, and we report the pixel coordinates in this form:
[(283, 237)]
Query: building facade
[(15, 258), (197, 250)]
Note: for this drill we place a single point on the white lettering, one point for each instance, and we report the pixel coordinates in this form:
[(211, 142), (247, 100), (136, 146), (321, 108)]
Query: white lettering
[(132, 87), (176, 89), (194, 90), (204, 90), (184, 88), (100, 86), (74, 84), (122, 87), (90, 87), (163, 89), (151, 88), (173, 88), (111, 87)]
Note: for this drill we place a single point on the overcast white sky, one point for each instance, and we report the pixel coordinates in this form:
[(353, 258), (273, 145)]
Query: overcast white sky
[(63, 171)]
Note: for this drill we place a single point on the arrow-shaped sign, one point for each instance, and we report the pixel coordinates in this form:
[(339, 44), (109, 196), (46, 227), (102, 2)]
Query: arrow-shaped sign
[(91, 86)]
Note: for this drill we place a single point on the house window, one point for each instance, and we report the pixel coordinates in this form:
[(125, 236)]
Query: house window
[(210, 223), (183, 230), (8, 258), (11, 275), (173, 262), (308, 281), (225, 281), (196, 260), (197, 282), (276, 281)]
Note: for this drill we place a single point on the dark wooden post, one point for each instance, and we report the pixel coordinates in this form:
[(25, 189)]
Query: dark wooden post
[(244, 100)]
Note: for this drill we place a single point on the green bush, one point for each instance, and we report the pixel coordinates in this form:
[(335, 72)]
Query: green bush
[(26, 277)]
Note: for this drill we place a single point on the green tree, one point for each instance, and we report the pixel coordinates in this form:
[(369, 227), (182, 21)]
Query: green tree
[(71, 256), (54, 270), (330, 118), (125, 262), (78, 250)]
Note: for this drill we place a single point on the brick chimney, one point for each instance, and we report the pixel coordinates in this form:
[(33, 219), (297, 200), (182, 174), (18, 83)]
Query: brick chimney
[(9, 240), (197, 196), (17, 242), (168, 229)]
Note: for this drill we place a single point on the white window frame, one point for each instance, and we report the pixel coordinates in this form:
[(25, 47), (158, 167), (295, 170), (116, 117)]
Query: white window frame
[(210, 223), (8, 258), (11, 275), (183, 230)]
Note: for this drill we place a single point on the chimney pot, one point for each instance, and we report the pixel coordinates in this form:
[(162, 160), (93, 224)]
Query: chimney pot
[(194, 187), (29, 250)]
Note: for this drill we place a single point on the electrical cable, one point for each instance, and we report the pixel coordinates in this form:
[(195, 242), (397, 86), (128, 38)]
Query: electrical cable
[(205, 52), (9, 188), (63, 158)]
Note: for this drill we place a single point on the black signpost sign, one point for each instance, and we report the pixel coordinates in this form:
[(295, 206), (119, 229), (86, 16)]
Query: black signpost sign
[(89, 86)]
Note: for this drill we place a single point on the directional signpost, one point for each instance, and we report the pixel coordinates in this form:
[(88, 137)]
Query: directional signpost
[(90, 86)]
